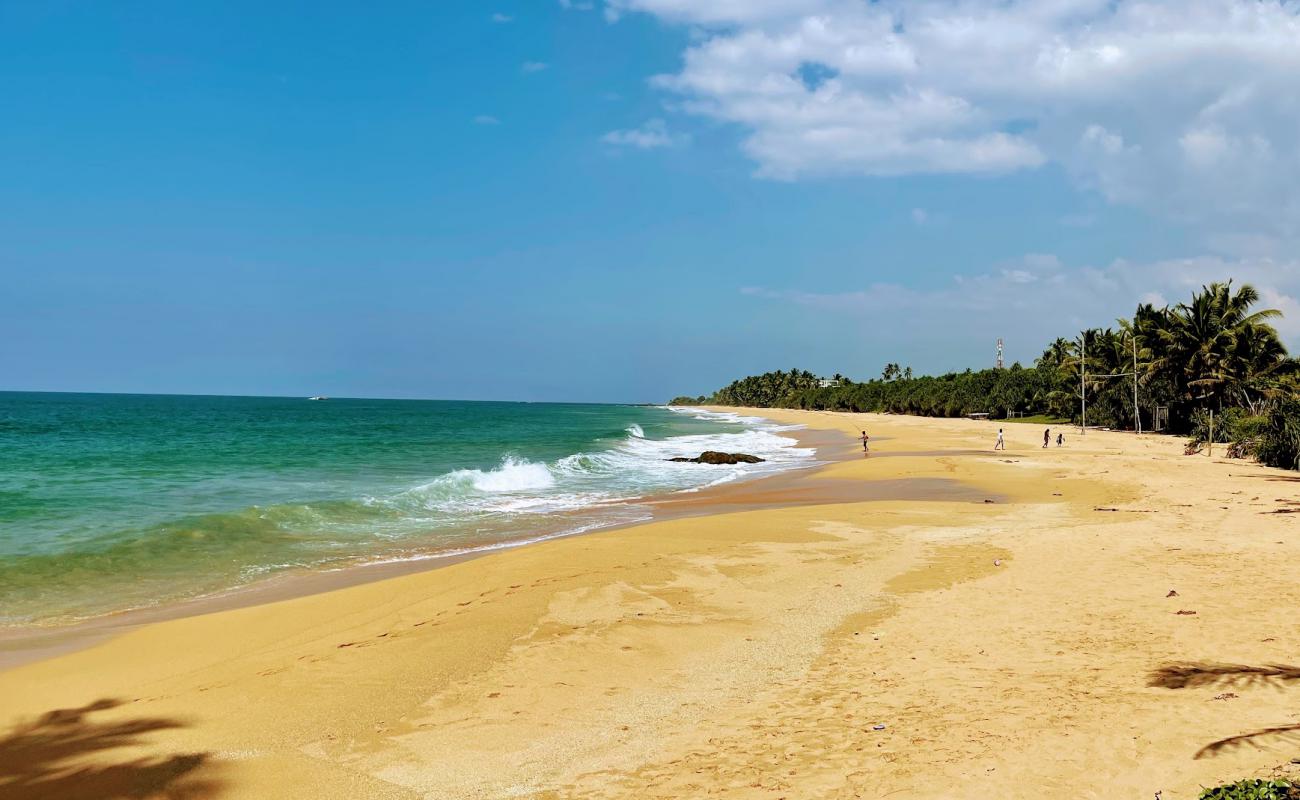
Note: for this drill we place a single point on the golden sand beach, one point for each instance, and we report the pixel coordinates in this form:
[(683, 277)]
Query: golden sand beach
[(1109, 619)]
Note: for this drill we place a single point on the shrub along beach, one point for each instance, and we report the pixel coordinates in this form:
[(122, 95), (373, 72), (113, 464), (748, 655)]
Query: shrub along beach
[(1212, 367)]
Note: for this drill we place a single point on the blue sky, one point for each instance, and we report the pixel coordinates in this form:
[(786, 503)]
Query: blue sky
[(622, 200)]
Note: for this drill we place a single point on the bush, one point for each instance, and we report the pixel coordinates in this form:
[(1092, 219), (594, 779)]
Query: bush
[(1234, 425), (1230, 425), (1246, 437), (1279, 440), (1253, 790)]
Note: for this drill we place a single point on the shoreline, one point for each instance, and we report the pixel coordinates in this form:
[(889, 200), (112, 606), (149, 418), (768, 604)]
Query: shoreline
[(29, 644), (1091, 633)]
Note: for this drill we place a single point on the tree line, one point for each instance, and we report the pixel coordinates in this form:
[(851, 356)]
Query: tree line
[(1216, 353)]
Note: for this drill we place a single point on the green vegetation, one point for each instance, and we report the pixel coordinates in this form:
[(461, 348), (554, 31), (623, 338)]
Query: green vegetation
[(1253, 790), (1216, 353), (1279, 442), (1229, 425), (995, 391)]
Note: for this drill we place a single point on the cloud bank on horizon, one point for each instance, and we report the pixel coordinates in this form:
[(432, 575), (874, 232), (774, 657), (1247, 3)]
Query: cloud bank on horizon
[(1045, 294), (1184, 109)]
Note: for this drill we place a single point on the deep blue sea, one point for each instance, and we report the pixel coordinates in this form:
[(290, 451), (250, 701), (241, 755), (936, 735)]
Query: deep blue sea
[(112, 502)]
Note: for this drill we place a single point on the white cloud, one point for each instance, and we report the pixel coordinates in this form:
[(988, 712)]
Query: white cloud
[(1037, 298), (486, 119), (1247, 244), (920, 216), (502, 19), (1184, 107), (1204, 148), (577, 5), (721, 11), (1100, 140), (653, 134), (533, 66)]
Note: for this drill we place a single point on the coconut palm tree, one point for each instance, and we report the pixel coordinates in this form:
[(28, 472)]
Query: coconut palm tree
[(1258, 364), (1215, 344)]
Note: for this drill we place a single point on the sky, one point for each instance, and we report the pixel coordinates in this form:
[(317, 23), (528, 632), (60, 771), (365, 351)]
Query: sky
[(622, 200)]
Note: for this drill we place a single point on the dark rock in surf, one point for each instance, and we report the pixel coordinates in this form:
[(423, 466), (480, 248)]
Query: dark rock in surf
[(714, 457)]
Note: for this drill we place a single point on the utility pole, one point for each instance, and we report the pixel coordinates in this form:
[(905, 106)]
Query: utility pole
[(1137, 416), (1083, 383)]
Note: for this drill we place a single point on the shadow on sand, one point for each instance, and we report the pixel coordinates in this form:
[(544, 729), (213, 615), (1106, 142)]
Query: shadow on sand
[(50, 758), (1210, 675), (1271, 478)]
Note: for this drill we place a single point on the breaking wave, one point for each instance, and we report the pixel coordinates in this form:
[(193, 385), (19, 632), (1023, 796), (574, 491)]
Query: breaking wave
[(513, 501)]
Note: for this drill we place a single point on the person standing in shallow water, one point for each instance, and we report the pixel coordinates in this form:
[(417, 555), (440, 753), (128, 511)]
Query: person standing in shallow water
[(1060, 440), (1047, 436), (865, 439), (1001, 443)]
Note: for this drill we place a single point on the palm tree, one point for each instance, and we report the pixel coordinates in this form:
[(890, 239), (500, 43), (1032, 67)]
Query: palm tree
[(1258, 364), (1215, 348), (1056, 391)]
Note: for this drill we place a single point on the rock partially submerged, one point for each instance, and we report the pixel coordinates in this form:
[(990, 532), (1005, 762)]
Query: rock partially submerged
[(714, 457)]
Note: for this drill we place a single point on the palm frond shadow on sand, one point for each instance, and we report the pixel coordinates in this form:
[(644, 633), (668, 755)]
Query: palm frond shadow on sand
[(48, 758), (1194, 675)]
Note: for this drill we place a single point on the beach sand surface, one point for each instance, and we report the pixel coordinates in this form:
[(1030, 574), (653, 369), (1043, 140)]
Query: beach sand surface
[(1107, 619)]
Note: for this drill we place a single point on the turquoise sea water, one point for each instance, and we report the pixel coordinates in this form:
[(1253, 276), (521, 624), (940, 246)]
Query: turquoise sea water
[(110, 502)]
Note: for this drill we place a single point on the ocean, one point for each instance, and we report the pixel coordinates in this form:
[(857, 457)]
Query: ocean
[(117, 502)]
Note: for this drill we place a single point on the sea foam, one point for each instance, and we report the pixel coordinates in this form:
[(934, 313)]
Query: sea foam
[(352, 493), (632, 468)]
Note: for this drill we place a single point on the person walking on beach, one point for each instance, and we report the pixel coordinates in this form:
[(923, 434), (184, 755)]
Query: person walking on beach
[(1060, 440), (1001, 443), (865, 439), (1047, 437)]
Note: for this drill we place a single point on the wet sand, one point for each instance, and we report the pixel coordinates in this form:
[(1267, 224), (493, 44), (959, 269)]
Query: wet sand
[(825, 639)]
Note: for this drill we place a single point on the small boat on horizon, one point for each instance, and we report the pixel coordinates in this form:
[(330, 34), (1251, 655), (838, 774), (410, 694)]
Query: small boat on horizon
[(318, 397)]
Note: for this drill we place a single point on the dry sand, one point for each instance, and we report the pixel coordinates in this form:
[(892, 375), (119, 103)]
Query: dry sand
[(1022, 648)]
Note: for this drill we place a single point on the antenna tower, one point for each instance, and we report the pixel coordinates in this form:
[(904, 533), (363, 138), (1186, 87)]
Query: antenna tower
[(1000, 364)]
